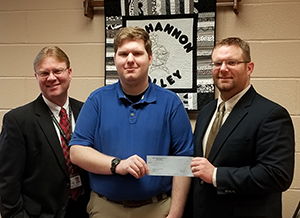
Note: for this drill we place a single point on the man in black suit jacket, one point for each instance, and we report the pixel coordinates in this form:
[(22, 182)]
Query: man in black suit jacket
[(251, 161), (34, 178)]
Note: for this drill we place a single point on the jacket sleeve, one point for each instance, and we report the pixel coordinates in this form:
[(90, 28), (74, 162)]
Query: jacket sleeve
[(12, 162), (271, 166)]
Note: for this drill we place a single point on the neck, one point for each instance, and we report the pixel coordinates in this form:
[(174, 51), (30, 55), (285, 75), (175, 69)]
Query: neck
[(135, 89), (58, 101)]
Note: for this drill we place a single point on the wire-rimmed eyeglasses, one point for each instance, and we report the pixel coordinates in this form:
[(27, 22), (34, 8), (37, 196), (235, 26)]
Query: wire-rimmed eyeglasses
[(55, 72), (228, 63)]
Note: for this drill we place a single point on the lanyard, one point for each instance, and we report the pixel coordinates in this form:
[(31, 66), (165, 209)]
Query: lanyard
[(59, 127)]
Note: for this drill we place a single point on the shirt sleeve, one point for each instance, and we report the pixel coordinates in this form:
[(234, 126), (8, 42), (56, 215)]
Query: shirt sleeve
[(182, 136), (85, 125)]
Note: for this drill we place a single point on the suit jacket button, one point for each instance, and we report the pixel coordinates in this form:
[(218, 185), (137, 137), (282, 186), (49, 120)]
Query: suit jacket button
[(68, 185), (202, 182), (64, 208)]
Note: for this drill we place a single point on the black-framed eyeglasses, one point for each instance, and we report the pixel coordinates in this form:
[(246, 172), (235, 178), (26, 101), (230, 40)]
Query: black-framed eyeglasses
[(55, 72), (228, 63)]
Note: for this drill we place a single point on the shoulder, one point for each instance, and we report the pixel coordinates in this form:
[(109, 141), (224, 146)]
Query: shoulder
[(75, 102), (24, 109), (104, 89), (21, 113), (165, 93), (265, 103), (254, 100), (259, 106), (271, 108)]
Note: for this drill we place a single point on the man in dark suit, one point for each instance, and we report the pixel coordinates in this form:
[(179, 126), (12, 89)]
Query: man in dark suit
[(251, 160), (34, 177)]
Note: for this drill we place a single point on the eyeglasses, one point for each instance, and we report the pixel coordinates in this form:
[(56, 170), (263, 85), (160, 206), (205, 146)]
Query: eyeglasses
[(228, 63), (46, 74)]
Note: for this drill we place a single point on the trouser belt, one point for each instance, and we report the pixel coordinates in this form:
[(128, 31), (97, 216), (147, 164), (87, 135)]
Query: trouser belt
[(132, 204)]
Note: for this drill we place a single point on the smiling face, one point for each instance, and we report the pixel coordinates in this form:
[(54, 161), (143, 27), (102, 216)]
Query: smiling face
[(132, 62), (230, 80), (54, 88)]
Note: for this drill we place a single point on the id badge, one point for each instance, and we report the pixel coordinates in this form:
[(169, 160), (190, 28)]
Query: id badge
[(75, 181)]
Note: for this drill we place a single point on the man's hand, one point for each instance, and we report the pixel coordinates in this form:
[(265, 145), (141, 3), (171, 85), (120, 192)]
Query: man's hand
[(203, 169), (133, 165)]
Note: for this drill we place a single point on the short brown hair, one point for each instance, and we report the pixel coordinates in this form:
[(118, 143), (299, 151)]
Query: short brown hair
[(133, 33), (238, 42), (51, 51)]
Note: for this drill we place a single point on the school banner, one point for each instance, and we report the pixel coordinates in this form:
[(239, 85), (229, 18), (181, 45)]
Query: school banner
[(182, 34)]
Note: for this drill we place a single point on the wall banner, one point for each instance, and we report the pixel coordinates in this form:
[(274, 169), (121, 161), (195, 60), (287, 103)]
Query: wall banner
[(182, 34)]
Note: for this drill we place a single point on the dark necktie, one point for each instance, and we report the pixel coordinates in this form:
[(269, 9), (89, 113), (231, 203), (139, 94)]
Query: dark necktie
[(215, 128), (73, 169)]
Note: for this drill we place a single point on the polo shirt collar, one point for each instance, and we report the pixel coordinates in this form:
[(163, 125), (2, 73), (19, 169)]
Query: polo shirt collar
[(149, 96)]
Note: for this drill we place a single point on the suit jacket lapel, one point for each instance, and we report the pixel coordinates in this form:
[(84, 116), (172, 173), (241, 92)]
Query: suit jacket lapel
[(237, 114), (43, 117), (75, 106), (201, 126)]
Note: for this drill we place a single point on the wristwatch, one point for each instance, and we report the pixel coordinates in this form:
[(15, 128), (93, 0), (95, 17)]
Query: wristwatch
[(114, 164)]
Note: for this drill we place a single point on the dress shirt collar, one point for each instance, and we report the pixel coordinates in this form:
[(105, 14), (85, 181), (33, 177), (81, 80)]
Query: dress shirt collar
[(54, 108), (229, 104)]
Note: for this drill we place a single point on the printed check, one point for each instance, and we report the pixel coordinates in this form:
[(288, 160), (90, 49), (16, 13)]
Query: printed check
[(169, 165)]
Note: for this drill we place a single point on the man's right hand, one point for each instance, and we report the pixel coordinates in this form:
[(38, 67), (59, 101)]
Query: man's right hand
[(133, 165)]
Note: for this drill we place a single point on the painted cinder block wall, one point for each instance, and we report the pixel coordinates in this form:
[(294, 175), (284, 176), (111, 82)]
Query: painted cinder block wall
[(271, 27)]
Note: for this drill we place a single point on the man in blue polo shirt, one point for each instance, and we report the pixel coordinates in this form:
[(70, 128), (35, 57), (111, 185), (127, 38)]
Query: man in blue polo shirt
[(119, 125)]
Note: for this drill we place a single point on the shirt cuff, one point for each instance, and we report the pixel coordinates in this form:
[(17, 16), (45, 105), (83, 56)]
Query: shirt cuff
[(214, 178)]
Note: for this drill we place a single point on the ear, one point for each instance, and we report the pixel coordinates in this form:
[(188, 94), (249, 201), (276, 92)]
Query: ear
[(70, 73), (150, 59), (250, 68)]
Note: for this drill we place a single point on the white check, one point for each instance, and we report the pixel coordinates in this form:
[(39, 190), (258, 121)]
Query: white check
[(169, 165)]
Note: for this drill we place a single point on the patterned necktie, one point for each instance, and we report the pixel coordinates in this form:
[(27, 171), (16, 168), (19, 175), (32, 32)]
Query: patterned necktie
[(65, 125), (215, 128), (73, 169)]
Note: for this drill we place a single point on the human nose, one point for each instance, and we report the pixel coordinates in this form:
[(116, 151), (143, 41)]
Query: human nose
[(223, 66), (51, 76), (130, 57)]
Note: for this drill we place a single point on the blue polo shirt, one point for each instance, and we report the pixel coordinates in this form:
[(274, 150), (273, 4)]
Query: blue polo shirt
[(156, 125)]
